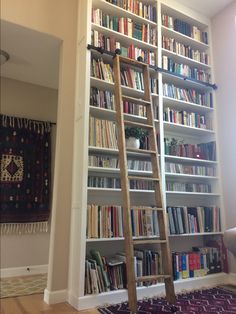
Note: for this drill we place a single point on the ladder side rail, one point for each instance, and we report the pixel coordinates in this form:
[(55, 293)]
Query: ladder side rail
[(129, 249)]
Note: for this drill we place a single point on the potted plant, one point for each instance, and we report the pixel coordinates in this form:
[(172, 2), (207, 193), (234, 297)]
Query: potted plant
[(133, 136)]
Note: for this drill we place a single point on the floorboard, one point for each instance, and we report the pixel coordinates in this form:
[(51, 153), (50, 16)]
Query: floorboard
[(34, 304)]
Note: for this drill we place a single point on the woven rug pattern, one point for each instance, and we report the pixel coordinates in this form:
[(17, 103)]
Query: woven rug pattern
[(18, 286), (208, 301)]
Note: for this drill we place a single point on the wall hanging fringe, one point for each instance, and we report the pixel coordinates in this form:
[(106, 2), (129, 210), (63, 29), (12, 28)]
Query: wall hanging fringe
[(38, 126), (24, 228)]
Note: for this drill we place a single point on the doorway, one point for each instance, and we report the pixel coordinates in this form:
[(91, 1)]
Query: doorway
[(29, 89)]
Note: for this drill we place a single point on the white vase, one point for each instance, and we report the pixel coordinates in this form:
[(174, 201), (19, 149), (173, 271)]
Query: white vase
[(132, 142)]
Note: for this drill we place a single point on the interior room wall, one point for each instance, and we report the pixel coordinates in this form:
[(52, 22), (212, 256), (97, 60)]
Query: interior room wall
[(224, 48), (26, 100), (57, 18)]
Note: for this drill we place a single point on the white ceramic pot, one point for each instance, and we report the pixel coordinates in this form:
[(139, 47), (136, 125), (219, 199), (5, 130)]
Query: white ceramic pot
[(132, 142)]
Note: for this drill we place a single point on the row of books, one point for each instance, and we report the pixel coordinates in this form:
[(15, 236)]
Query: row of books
[(102, 98), (185, 50), (99, 274), (175, 147), (101, 70), (110, 43), (188, 187), (129, 77), (191, 31), (198, 263), (173, 167), (113, 162), (147, 11), (104, 182), (188, 94), (191, 119), (126, 26), (134, 109), (103, 274), (134, 79), (105, 221), (185, 70), (114, 183), (184, 28), (102, 133), (106, 99), (193, 219)]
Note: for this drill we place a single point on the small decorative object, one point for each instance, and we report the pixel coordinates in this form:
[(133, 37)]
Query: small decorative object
[(133, 136)]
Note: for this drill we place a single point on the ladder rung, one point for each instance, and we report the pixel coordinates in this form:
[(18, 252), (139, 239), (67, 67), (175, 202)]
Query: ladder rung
[(138, 101), (132, 61), (138, 150), (151, 278), (149, 242), (143, 178), (139, 125), (147, 208)]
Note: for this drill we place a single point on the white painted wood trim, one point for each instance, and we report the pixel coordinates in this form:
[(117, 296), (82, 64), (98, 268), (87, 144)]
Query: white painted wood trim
[(23, 271), (53, 297), (232, 278), (114, 297)]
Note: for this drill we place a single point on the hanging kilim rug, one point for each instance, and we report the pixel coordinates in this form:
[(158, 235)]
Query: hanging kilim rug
[(25, 174), (208, 301)]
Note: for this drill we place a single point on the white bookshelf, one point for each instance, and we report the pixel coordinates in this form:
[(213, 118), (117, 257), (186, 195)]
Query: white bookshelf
[(83, 195)]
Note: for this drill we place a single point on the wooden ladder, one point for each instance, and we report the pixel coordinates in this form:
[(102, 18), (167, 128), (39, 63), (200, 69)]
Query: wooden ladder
[(155, 178)]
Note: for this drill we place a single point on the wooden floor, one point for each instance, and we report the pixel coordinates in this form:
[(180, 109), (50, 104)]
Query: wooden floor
[(34, 304)]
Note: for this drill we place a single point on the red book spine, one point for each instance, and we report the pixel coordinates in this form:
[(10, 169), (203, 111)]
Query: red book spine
[(191, 265)]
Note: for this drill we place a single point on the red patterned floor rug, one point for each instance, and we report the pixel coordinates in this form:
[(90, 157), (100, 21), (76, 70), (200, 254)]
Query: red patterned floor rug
[(208, 301)]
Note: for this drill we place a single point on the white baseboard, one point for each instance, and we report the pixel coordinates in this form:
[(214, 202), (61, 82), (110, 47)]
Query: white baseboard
[(23, 271), (113, 297), (232, 278), (53, 297)]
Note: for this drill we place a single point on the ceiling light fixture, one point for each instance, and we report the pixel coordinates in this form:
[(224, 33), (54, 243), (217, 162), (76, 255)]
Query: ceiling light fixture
[(4, 57)]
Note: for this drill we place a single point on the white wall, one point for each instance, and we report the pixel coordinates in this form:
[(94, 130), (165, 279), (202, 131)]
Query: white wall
[(224, 48), (36, 102), (57, 18)]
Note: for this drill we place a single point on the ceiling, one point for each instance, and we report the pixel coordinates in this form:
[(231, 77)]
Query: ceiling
[(208, 8), (34, 56)]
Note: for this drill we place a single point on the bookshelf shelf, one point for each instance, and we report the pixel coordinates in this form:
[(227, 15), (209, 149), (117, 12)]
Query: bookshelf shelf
[(118, 190), (101, 84), (190, 160), (192, 194), (112, 151), (182, 59), (184, 129), (118, 11), (173, 78), (117, 171), (124, 39), (197, 234), (189, 176), (118, 296), (111, 114), (196, 140), (181, 104), (184, 39)]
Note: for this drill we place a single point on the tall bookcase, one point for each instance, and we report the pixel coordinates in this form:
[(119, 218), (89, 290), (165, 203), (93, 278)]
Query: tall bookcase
[(201, 129)]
